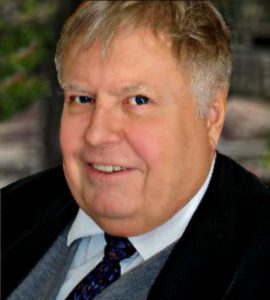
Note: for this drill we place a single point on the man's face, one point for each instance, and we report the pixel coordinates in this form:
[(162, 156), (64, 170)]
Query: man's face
[(133, 146)]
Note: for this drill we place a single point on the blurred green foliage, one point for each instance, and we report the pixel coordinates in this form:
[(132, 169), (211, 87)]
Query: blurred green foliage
[(25, 35)]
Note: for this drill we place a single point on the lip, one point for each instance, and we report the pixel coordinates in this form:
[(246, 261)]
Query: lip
[(99, 175)]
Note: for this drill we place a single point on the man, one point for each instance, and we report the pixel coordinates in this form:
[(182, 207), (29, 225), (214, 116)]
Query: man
[(145, 85)]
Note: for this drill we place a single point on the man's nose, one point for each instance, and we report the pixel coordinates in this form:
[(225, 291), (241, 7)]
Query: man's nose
[(104, 127)]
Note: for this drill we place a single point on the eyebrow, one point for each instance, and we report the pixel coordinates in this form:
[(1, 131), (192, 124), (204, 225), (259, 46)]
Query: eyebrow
[(125, 89), (74, 87), (128, 89)]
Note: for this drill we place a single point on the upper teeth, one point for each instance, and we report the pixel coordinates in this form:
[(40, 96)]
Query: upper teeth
[(108, 169)]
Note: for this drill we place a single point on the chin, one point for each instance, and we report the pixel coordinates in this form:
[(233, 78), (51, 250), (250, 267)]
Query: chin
[(116, 221), (105, 208), (121, 227)]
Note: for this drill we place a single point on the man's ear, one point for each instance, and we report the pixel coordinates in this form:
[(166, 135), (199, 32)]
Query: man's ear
[(215, 117)]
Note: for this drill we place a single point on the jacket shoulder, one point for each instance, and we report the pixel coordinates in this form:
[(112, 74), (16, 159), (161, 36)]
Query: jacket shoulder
[(33, 200), (35, 211), (233, 178), (51, 178)]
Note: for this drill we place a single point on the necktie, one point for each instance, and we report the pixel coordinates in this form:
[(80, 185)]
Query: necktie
[(106, 272)]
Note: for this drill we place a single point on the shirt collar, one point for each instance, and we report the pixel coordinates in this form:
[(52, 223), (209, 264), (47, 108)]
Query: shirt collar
[(152, 242), (82, 226)]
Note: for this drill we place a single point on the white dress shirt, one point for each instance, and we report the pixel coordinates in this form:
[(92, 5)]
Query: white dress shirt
[(91, 248)]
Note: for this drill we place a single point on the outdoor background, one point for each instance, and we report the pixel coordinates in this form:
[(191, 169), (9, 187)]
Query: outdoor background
[(30, 99)]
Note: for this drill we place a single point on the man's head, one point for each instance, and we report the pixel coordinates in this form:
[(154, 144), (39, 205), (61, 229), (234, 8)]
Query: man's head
[(135, 75)]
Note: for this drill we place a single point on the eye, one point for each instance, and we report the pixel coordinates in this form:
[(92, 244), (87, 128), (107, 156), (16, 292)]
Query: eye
[(82, 99), (138, 100)]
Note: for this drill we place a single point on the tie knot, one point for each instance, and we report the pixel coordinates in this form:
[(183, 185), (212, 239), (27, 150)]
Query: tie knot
[(118, 248)]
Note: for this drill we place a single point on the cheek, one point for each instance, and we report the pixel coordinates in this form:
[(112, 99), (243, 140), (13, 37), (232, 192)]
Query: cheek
[(70, 140), (70, 136), (150, 141)]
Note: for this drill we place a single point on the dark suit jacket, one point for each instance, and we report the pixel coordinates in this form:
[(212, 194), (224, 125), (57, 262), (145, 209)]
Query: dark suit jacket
[(223, 254)]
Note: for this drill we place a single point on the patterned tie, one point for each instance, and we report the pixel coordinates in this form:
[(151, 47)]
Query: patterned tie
[(106, 272)]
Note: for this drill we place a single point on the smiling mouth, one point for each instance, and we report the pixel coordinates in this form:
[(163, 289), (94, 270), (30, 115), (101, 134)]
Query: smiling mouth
[(109, 169)]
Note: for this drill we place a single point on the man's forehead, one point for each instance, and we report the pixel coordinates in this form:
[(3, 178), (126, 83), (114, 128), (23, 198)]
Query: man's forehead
[(104, 45), (129, 65)]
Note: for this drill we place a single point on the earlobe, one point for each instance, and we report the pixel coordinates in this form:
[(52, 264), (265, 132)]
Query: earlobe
[(215, 118)]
